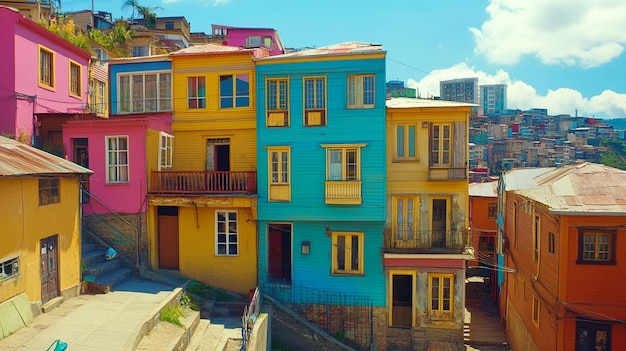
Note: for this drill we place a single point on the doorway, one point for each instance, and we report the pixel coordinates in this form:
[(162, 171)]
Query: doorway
[(49, 268), (402, 300), (218, 155), (439, 222), (279, 253), (167, 220)]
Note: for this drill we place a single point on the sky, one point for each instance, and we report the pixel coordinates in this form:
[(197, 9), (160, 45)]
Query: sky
[(563, 55)]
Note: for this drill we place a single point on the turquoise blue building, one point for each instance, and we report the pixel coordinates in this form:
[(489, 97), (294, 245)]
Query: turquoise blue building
[(321, 183)]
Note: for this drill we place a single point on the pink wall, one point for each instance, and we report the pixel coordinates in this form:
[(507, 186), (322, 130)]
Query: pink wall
[(123, 198), (20, 63), (237, 37)]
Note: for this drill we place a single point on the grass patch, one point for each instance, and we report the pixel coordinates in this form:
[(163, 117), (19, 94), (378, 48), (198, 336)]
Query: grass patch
[(208, 292), (172, 315)]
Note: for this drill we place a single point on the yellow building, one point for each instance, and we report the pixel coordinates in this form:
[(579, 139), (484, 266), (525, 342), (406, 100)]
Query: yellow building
[(426, 237), (40, 232), (202, 211)]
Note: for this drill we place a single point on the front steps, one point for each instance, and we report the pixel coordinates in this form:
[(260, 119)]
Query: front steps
[(106, 272)]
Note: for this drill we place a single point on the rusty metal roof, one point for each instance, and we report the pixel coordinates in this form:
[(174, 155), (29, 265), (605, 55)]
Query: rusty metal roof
[(352, 47), (523, 178), (587, 188), (207, 49), (17, 159)]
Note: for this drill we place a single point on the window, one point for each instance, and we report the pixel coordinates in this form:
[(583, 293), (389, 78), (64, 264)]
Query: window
[(226, 240), (141, 51), (314, 101), (101, 54), (347, 253), (46, 67), (361, 91), (277, 103), (551, 242), (196, 92), (279, 174), (405, 142), (234, 91), (169, 25), (593, 335), (49, 191), (492, 210), (9, 268), (253, 41), (535, 311), (596, 246), (97, 97), (343, 164), (440, 145), (536, 237), (165, 151), (405, 210), (440, 295), (75, 79), (117, 159), (267, 42), (148, 92)]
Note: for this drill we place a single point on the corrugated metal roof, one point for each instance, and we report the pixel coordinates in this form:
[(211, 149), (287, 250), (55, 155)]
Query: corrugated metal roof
[(17, 159), (588, 188), (523, 178), (352, 47), (207, 48), (489, 189), (412, 103)]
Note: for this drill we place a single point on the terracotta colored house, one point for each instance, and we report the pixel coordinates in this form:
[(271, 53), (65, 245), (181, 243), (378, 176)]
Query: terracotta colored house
[(44, 82), (483, 204), (40, 235), (562, 252), (426, 241)]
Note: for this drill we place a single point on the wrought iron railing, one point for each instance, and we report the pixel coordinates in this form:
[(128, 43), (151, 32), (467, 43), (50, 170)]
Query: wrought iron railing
[(201, 182), (347, 318), (417, 241), (250, 315)]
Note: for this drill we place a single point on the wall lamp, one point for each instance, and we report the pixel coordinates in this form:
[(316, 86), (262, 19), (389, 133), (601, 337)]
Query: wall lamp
[(60, 345), (306, 247)]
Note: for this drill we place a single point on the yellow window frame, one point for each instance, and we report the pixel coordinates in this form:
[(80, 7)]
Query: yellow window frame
[(318, 114), (536, 310), (440, 309), (408, 232), (343, 148), (343, 253), (75, 82), (46, 75), (279, 186), (279, 116)]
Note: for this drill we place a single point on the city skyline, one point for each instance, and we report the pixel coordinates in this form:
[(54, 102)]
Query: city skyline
[(550, 55)]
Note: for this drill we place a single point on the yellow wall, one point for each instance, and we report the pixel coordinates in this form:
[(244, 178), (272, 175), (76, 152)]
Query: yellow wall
[(25, 223)]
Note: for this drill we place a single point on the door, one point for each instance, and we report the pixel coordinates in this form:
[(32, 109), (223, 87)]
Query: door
[(279, 253), (402, 300), (593, 336), (218, 155), (49, 269), (168, 237), (80, 155), (439, 222)]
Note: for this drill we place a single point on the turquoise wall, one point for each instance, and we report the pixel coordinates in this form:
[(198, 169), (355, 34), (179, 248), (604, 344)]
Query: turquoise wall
[(307, 211)]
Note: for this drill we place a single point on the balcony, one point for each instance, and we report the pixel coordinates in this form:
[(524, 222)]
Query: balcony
[(201, 182), (425, 241), (343, 192), (447, 173)]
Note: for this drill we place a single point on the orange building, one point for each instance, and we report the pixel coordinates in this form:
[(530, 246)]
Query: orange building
[(563, 290), (483, 210)]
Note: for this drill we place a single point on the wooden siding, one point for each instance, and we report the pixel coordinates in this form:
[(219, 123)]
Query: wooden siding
[(116, 68)]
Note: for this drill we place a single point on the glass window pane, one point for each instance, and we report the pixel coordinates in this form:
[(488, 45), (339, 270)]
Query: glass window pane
[(400, 141), (341, 252), (411, 138)]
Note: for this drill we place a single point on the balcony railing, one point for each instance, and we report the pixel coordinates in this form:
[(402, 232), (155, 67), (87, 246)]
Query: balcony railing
[(201, 182), (447, 173), (343, 192), (425, 241)]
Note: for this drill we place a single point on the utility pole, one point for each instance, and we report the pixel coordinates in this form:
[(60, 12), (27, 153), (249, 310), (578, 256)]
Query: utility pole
[(92, 21)]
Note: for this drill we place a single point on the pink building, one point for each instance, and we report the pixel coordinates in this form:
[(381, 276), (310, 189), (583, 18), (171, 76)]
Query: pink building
[(249, 38), (44, 82)]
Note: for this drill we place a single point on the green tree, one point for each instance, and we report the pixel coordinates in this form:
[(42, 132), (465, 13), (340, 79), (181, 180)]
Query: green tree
[(148, 14)]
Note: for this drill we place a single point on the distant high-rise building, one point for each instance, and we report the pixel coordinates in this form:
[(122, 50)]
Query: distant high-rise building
[(493, 99), (396, 88), (461, 90)]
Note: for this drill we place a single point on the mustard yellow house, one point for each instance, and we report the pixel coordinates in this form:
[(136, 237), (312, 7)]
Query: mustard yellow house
[(426, 241), (40, 231), (202, 211)]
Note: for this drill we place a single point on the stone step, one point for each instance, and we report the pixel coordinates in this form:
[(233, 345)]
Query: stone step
[(166, 336), (207, 337)]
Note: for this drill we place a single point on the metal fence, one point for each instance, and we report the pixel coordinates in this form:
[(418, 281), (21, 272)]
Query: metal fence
[(348, 318), (250, 315)]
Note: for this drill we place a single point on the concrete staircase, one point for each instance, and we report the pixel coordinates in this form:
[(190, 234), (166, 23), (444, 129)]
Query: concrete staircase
[(106, 272)]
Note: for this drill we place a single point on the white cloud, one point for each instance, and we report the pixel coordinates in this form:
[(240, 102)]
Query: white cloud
[(567, 32), (521, 95)]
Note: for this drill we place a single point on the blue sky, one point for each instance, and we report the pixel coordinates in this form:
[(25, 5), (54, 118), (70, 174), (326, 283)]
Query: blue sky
[(563, 55)]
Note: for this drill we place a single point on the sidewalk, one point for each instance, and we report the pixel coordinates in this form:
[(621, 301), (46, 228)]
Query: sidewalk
[(113, 321)]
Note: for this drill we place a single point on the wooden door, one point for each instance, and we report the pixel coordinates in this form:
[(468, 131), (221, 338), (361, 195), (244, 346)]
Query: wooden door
[(49, 269), (279, 253), (402, 300), (168, 237)]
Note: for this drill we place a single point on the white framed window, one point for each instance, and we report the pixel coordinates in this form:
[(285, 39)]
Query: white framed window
[(117, 159), (166, 142), (361, 91), (226, 233), (253, 41), (144, 92), (9, 267)]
